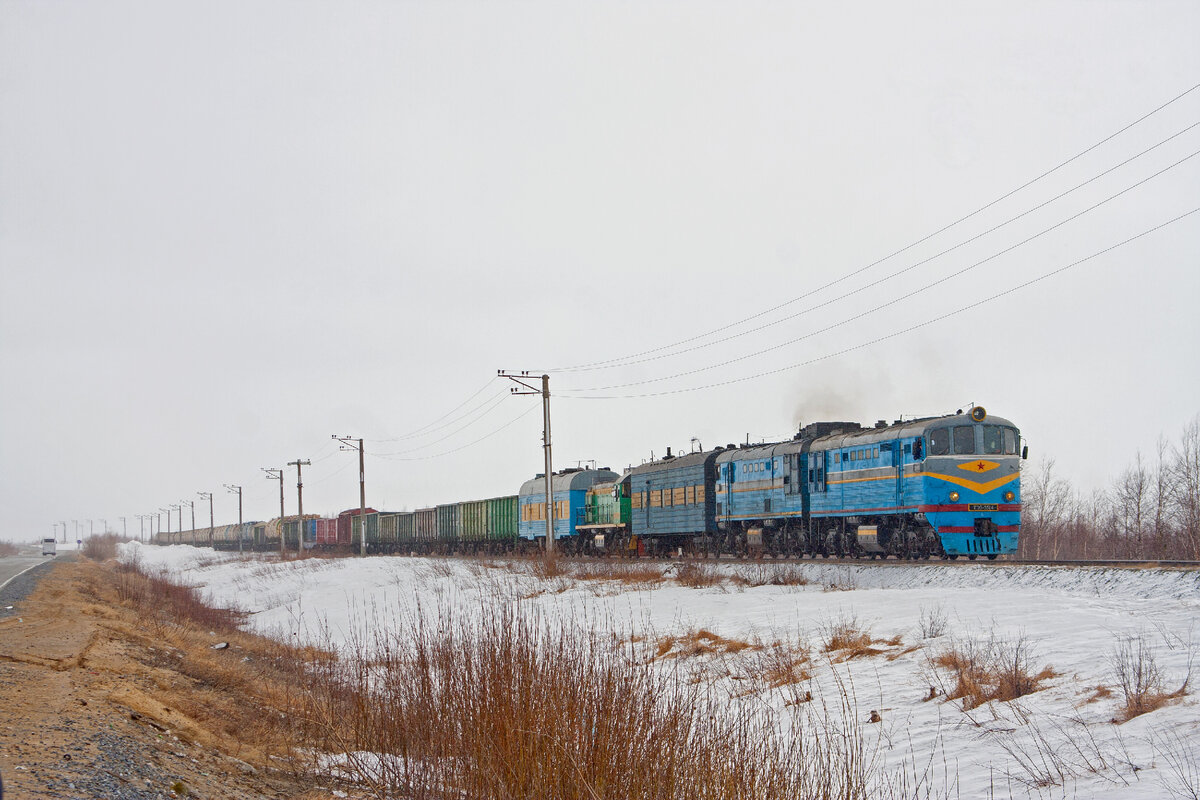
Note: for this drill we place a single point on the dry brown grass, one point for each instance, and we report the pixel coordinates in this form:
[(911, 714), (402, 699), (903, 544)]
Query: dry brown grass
[(764, 574), (846, 638), (698, 575), (510, 705), (622, 572), (699, 643), (992, 669)]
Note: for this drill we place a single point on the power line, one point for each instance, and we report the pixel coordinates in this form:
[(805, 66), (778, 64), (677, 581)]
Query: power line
[(725, 327), (512, 421), (894, 334), (426, 428), (868, 312), (495, 403), (897, 273)]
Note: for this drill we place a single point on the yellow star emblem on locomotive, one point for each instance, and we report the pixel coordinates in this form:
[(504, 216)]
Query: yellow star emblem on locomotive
[(978, 466)]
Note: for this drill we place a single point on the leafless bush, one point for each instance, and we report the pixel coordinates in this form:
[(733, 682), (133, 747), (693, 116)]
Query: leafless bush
[(1134, 664), (989, 669), (765, 574), (847, 637), (933, 622), (698, 575), (1182, 776), (8, 549), (103, 547)]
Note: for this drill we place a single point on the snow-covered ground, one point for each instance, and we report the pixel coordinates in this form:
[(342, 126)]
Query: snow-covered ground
[(1057, 742)]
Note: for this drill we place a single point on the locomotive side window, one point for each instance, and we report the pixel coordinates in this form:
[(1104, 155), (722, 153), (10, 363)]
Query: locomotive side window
[(992, 440), (1010, 442), (964, 440), (939, 442)]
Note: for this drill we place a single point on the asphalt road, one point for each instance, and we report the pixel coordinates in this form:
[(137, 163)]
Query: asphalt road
[(18, 576)]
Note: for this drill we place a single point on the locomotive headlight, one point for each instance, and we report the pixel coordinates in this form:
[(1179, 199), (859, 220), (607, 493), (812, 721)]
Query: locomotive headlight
[(954, 497), (1009, 497)]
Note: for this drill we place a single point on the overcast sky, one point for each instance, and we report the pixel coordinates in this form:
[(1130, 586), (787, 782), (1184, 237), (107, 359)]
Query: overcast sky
[(231, 230)]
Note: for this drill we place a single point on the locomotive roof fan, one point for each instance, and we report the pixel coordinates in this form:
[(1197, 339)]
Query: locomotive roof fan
[(979, 413)]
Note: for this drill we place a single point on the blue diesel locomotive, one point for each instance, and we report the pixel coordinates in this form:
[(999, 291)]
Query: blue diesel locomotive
[(945, 486)]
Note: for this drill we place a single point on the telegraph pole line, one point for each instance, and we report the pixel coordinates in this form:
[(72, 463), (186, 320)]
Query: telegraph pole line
[(208, 496), (238, 490), (348, 443), (521, 380), (298, 464)]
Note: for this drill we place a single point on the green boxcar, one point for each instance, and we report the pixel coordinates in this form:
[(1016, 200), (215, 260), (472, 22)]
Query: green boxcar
[(473, 524), (387, 529), (503, 515), (372, 523), (406, 531), (448, 520)]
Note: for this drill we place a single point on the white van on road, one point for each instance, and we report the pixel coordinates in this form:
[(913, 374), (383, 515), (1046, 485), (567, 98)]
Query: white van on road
[(49, 547)]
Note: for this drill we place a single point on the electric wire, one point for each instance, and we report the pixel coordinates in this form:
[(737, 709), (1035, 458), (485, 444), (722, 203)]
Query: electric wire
[(425, 428), (486, 436), (904, 270), (724, 329), (894, 334), (894, 301), (494, 404)]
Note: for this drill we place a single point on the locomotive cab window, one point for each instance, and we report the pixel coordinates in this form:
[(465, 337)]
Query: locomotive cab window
[(993, 440), (964, 440), (1010, 442), (939, 442)]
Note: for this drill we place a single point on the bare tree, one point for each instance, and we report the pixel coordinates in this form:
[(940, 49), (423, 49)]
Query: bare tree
[(1185, 471), (1131, 493)]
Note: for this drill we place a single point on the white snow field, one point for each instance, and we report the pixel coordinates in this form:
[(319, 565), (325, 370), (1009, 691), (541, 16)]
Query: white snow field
[(1059, 741)]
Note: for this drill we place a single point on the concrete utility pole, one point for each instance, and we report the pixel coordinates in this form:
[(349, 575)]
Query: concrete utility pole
[(298, 463), (238, 490), (545, 393), (348, 443), (277, 474), (208, 496), (192, 505), (76, 523), (124, 528), (168, 513)]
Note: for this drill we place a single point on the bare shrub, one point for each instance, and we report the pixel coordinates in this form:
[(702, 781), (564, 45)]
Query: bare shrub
[(103, 547), (1134, 664), (1182, 776), (991, 669), (764, 574), (8, 549), (698, 575), (933, 622), (846, 637), (621, 571)]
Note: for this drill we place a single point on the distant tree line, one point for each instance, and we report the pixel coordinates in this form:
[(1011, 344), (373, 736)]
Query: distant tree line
[(1150, 511)]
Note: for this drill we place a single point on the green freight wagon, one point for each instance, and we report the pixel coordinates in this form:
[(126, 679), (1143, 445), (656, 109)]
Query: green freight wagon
[(473, 522), (387, 532), (406, 532), (449, 518), (503, 516), (371, 520)]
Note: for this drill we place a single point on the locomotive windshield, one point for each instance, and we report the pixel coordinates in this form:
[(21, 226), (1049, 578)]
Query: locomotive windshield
[(960, 440)]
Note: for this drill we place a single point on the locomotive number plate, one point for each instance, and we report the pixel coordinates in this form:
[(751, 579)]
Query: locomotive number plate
[(983, 507)]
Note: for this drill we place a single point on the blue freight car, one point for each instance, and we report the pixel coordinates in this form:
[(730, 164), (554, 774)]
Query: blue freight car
[(569, 488)]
